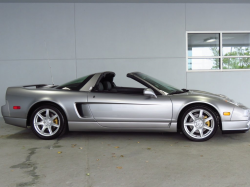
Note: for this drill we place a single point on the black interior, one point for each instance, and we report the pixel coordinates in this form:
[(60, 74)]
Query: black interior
[(106, 84)]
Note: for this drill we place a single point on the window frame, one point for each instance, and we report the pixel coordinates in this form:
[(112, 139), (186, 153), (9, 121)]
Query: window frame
[(212, 57)]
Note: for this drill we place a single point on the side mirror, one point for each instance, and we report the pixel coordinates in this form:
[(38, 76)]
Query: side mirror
[(149, 92)]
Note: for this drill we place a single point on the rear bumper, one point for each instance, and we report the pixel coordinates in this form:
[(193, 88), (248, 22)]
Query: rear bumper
[(5, 109), (20, 122), (235, 126)]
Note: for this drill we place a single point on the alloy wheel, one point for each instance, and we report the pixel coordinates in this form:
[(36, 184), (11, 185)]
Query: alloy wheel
[(199, 123), (46, 122)]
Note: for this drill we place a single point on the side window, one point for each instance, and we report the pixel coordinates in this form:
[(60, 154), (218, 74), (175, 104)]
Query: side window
[(75, 84)]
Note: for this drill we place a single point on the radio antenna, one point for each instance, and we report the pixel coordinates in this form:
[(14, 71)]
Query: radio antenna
[(52, 80)]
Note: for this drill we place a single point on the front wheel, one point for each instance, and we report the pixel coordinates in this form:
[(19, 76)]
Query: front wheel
[(199, 123), (47, 122)]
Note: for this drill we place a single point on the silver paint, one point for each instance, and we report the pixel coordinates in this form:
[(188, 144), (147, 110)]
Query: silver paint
[(116, 107), (20, 122), (235, 125), (5, 109), (120, 112), (149, 92)]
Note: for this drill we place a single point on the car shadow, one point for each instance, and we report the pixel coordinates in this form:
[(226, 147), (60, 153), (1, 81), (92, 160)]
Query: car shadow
[(151, 136), (28, 134), (154, 136), (23, 134), (218, 138)]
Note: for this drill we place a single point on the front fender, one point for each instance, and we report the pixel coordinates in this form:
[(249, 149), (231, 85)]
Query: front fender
[(182, 101)]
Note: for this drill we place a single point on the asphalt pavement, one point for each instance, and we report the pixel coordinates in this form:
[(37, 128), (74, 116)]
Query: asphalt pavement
[(101, 159)]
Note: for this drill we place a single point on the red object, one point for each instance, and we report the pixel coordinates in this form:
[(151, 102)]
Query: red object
[(16, 107)]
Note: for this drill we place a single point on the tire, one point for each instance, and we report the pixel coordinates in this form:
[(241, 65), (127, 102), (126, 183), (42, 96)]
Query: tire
[(199, 123), (47, 122)]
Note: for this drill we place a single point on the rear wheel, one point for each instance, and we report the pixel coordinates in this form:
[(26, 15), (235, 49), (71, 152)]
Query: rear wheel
[(199, 123), (47, 122)]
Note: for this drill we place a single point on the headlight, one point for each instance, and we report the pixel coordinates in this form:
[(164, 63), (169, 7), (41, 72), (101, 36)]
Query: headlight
[(246, 113)]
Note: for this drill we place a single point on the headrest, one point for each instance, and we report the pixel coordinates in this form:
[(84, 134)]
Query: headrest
[(100, 86), (107, 85)]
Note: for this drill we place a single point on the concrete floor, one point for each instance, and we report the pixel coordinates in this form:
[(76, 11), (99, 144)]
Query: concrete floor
[(122, 159)]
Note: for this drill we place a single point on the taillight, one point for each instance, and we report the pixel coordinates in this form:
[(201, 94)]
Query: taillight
[(16, 107)]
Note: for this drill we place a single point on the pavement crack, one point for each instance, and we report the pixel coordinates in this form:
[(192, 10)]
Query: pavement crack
[(54, 145), (28, 164)]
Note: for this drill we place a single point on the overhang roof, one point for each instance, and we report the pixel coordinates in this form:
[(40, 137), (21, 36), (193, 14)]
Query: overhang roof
[(125, 1)]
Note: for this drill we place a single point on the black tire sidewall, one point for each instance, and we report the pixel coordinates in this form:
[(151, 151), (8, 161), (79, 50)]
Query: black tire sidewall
[(211, 111), (60, 115)]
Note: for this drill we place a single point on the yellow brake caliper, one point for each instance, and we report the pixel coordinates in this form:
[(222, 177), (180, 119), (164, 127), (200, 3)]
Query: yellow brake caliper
[(56, 121), (208, 122)]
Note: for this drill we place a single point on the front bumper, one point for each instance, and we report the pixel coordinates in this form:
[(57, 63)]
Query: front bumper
[(240, 120), (20, 122), (235, 125)]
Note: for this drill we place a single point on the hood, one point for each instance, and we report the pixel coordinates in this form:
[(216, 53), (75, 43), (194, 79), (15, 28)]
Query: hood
[(219, 96), (199, 92)]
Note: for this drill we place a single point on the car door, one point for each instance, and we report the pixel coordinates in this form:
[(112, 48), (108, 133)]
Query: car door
[(116, 110)]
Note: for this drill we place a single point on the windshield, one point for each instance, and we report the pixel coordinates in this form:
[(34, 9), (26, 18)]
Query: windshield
[(75, 84), (162, 86)]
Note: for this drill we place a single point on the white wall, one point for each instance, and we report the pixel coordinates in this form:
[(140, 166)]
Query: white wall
[(131, 37), (79, 39), (220, 17)]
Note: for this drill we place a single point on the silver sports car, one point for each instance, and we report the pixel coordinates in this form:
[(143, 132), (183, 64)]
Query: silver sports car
[(95, 103)]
